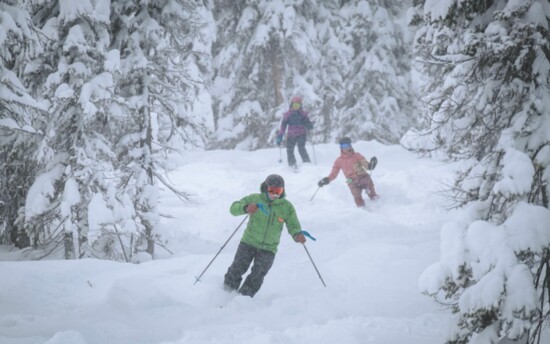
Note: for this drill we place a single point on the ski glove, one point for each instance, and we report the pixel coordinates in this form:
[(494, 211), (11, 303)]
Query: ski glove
[(323, 182), (279, 139), (372, 163), (250, 208), (300, 238)]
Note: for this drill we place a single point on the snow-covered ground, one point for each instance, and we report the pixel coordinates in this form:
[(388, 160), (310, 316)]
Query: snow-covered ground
[(371, 261)]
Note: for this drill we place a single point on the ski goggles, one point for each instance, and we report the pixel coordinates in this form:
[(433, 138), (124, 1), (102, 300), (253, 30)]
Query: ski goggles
[(275, 190), (345, 146), (296, 106)]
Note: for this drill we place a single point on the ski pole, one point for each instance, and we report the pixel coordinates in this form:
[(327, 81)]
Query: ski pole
[(311, 199), (318, 274), (206, 268)]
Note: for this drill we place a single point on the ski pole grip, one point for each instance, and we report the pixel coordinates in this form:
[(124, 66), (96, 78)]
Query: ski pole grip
[(305, 233)]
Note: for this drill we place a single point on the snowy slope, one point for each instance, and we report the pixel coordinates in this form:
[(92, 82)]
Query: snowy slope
[(370, 260)]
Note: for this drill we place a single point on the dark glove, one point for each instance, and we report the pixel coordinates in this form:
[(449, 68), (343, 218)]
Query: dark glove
[(279, 139), (250, 208), (300, 238), (323, 182), (372, 163)]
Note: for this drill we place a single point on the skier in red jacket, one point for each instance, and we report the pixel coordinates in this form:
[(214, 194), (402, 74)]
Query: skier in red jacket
[(355, 168)]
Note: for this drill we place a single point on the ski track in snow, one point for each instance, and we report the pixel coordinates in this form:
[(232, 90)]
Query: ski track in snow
[(370, 259)]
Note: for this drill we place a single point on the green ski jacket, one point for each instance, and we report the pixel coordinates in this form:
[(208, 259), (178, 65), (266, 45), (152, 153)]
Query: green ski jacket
[(266, 224)]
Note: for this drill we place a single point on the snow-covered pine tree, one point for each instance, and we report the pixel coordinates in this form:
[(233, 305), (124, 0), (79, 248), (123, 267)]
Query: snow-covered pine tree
[(77, 169), (264, 54), (333, 65), (348, 60), (376, 101), (19, 114), (487, 70), (161, 76)]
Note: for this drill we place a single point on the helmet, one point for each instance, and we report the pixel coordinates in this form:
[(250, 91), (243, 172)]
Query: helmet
[(296, 99), (345, 141), (275, 180), (272, 180)]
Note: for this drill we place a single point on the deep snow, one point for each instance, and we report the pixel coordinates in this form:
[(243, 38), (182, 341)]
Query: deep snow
[(370, 259)]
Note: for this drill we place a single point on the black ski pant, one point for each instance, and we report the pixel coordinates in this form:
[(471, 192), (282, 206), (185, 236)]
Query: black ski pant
[(291, 142), (263, 260)]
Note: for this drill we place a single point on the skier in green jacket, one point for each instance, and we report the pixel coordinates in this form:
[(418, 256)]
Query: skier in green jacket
[(268, 211)]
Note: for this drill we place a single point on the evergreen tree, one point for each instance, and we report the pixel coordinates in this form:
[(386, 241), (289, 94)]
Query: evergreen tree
[(377, 101), (20, 116), (333, 66), (347, 60), (114, 107), (487, 75), (161, 76), (77, 163), (264, 54)]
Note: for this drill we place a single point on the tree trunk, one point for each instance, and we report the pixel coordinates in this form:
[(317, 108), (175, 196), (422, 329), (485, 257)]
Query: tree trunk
[(148, 226), (522, 340), (328, 106), (68, 245), (276, 71), (147, 146)]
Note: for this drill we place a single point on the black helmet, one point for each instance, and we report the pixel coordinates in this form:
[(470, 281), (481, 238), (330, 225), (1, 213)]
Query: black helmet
[(272, 180), (275, 180), (345, 141)]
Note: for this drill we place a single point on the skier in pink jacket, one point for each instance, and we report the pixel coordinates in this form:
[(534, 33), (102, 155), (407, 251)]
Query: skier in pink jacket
[(355, 168)]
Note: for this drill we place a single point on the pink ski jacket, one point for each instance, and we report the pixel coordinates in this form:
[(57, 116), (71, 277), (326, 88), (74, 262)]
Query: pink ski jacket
[(352, 165)]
